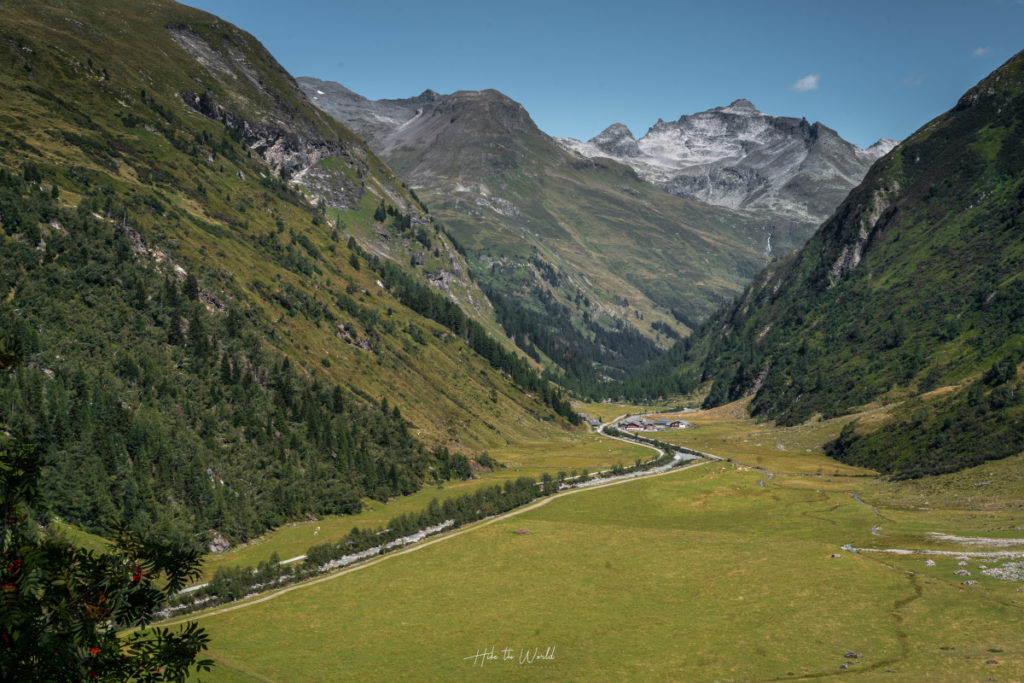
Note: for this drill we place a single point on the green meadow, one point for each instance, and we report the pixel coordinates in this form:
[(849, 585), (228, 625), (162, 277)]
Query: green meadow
[(577, 451), (709, 573)]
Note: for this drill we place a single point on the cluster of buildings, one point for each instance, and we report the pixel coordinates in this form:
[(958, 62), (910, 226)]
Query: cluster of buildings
[(641, 424)]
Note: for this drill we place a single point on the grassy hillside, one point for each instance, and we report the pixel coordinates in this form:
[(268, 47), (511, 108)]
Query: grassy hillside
[(192, 337), (914, 284)]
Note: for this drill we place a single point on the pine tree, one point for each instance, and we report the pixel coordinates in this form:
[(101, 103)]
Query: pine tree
[(191, 288), (226, 374), (175, 336), (170, 294), (199, 344)]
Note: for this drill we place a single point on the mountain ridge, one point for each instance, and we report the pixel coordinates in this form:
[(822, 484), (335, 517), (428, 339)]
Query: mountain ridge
[(739, 157), (223, 311)]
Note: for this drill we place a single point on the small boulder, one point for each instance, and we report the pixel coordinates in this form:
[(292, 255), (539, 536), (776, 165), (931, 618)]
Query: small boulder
[(218, 544)]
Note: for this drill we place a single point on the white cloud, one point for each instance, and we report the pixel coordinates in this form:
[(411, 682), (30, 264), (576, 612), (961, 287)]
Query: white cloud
[(981, 51), (913, 81), (809, 82)]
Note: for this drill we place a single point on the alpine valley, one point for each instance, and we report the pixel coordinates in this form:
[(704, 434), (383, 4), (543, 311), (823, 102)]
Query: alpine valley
[(580, 253), (736, 400)]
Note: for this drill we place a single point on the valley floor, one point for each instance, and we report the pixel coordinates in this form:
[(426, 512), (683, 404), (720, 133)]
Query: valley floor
[(726, 571)]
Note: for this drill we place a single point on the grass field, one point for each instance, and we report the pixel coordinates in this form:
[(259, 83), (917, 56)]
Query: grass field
[(532, 459), (78, 537), (712, 573), (607, 411)]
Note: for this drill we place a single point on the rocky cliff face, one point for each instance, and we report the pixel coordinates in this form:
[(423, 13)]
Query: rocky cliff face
[(253, 95), (371, 119), (738, 157)]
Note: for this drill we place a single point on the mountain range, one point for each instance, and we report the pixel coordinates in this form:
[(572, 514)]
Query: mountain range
[(225, 310), (738, 157), (548, 228)]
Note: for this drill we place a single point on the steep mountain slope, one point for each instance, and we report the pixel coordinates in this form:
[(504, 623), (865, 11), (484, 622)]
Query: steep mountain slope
[(559, 239), (736, 156), (189, 339), (914, 284)]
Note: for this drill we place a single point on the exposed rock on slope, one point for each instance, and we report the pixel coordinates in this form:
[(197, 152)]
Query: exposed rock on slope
[(272, 123)]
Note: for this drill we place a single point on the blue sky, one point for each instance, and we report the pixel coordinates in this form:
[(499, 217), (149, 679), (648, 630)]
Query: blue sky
[(868, 69)]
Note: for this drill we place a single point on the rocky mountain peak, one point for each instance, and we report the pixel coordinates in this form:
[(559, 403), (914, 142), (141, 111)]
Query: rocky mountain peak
[(882, 147), (741, 107), (786, 168), (616, 140), (428, 134), (475, 110), (616, 130)]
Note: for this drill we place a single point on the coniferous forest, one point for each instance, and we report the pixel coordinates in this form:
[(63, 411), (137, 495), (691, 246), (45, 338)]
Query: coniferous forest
[(156, 410)]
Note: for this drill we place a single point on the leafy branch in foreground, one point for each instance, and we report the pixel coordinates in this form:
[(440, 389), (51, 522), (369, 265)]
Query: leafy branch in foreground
[(61, 607)]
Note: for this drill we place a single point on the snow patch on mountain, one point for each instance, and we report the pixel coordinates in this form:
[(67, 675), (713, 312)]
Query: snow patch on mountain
[(878, 150), (739, 157)]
